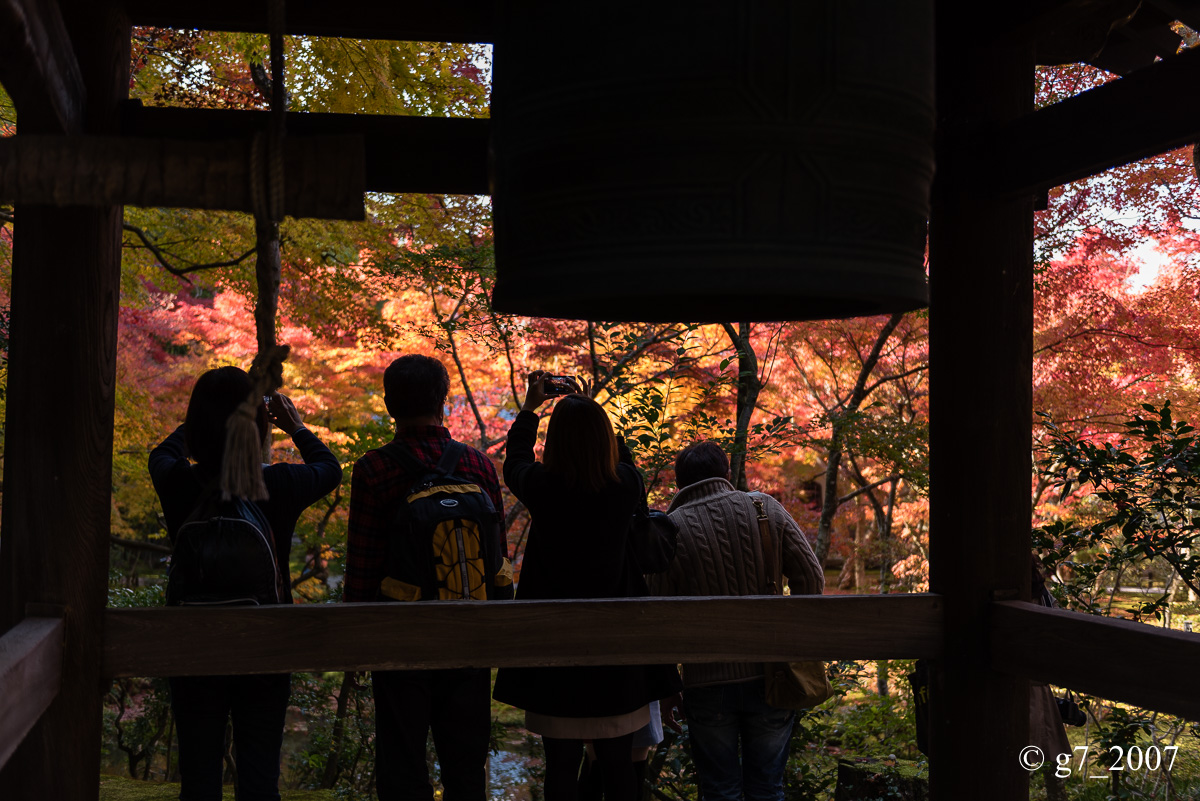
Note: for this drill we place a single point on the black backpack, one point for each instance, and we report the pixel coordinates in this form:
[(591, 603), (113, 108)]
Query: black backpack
[(224, 555), (446, 540)]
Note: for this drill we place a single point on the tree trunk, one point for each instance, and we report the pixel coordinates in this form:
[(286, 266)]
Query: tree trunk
[(885, 541), (860, 556), (748, 387), (845, 579), (830, 502), (329, 779)]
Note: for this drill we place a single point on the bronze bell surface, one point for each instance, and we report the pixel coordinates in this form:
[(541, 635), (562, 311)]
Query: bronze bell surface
[(709, 161)]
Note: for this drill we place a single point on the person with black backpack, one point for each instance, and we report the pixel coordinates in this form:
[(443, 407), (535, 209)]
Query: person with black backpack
[(232, 552), (426, 523)]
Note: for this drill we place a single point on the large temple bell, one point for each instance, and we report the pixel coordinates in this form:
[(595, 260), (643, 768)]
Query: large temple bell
[(710, 160)]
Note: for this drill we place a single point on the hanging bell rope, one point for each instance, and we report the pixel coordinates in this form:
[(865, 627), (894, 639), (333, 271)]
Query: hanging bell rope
[(241, 469), (266, 189)]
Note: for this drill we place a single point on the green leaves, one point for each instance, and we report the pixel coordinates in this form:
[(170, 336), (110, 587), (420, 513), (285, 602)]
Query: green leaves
[(1143, 507), (900, 443)]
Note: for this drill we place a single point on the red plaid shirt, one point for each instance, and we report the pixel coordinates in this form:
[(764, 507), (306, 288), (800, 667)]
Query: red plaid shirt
[(377, 485)]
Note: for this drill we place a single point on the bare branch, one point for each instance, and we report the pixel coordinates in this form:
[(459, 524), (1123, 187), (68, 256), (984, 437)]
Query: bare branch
[(868, 488), (512, 368), (919, 368), (141, 545), (9, 216), (447, 324), (653, 338), (182, 272)]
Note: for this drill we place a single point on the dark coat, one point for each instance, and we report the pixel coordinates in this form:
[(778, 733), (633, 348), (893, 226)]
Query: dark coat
[(292, 487), (577, 548)]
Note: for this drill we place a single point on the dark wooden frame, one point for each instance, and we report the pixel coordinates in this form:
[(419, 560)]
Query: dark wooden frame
[(61, 387), (981, 394), (65, 64)]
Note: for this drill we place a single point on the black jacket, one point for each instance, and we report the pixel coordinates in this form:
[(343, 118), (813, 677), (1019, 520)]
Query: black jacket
[(292, 487), (577, 548)]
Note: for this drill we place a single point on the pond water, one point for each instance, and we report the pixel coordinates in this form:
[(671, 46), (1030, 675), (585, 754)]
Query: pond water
[(516, 769), (509, 777)]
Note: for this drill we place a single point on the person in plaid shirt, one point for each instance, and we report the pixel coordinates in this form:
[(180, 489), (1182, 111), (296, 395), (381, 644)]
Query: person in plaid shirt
[(453, 703)]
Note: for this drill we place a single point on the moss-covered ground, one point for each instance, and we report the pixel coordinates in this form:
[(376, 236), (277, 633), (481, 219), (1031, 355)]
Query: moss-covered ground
[(122, 788)]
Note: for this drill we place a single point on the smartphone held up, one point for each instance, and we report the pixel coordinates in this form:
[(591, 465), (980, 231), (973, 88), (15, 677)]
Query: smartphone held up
[(558, 385)]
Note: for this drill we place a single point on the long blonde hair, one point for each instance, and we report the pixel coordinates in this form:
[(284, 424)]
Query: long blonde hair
[(580, 445)]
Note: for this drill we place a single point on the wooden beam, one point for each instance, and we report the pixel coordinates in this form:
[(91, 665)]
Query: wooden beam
[(1123, 121), (31, 656), (323, 175), (37, 64), (436, 155), (981, 313), (1115, 659), (62, 359), (461, 21), (177, 641)]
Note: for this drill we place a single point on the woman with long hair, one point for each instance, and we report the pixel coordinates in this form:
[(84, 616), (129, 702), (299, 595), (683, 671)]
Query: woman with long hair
[(581, 497), (185, 468)]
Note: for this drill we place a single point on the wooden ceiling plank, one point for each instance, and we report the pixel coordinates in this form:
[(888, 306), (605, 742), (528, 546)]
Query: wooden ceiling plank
[(462, 21), (437, 155), (37, 63), (114, 171), (1115, 124)]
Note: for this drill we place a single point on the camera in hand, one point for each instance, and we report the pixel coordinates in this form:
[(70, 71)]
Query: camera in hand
[(557, 385)]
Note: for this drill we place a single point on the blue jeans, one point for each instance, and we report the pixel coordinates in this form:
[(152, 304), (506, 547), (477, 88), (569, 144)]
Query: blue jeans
[(721, 716)]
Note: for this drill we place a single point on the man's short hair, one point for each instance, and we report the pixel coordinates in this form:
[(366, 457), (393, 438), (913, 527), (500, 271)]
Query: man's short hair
[(415, 385), (700, 461)]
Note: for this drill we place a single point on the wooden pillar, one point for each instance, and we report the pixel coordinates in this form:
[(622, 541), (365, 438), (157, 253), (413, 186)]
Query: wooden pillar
[(981, 330), (59, 432)]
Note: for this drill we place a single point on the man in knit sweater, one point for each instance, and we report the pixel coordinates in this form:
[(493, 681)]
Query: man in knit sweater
[(720, 553)]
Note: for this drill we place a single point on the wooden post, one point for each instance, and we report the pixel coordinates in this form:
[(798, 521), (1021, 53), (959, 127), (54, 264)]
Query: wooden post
[(58, 437), (981, 330)]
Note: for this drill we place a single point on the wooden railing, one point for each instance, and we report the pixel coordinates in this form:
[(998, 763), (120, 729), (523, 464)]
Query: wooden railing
[(31, 656), (320, 637), (1115, 659)]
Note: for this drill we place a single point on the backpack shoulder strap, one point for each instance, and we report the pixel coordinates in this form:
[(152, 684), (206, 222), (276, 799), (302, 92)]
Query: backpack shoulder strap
[(209, 492), (397, 451), (450, 456)]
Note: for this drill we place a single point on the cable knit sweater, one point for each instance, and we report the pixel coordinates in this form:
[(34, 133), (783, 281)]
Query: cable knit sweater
[(720, 553)]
